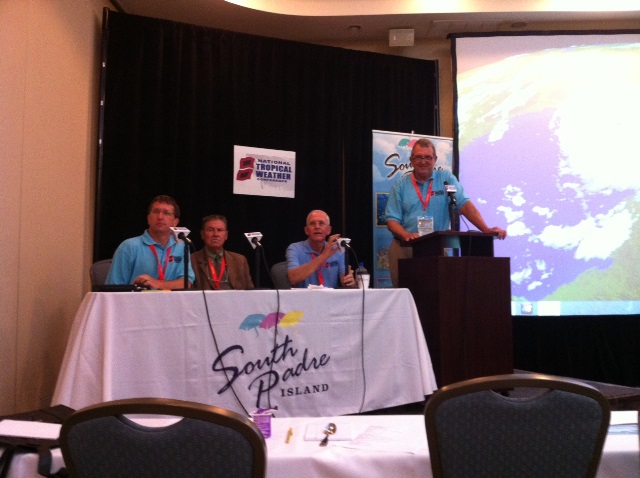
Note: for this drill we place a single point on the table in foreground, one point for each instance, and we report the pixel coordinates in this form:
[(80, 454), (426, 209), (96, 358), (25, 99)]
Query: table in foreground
[(307, 352), (393, 445)]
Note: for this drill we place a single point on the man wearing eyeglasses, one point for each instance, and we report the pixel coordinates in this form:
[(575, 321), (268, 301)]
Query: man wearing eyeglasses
[(318, 260), (422, 193), (154, 259), (215, 267)]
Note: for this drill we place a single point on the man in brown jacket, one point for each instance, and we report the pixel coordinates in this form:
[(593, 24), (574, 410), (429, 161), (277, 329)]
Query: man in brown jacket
[(216, 268)]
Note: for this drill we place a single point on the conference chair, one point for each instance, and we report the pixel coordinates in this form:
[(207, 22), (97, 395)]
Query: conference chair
[(99, 272), (279, 275), (100, 441), (516, 425)]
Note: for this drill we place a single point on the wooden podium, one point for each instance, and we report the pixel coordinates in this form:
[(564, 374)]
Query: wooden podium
[(463, 302)]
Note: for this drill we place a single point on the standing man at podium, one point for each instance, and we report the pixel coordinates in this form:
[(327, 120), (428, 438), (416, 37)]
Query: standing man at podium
[(422, 193)]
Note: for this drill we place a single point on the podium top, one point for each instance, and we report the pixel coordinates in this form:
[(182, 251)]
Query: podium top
[(440, 243)]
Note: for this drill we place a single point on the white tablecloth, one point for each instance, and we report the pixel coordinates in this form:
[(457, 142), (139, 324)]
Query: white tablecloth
[(405, 434), (325, 357)]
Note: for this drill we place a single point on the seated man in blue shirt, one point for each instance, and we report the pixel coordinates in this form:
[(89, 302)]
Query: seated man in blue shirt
[(154, 259), (317, 261)]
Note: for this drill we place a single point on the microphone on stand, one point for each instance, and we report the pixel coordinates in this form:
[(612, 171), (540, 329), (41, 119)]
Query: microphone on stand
[(254, 238), (451, 190), (180, 234), (343, 243)]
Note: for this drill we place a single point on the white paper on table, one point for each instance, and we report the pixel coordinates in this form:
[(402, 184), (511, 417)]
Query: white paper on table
[(624, 417), (315, 431), (379, 438), (30, 429), (624, 422)]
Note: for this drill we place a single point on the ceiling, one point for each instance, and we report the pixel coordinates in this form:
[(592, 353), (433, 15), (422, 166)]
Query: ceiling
[(329, 21)]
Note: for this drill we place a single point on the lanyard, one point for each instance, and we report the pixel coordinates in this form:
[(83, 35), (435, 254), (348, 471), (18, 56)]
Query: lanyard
[(425, 201), (161, 269), (318, 271), (214, 274)]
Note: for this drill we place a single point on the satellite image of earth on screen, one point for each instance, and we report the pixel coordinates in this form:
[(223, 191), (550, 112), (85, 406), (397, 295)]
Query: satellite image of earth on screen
[(549, 148)]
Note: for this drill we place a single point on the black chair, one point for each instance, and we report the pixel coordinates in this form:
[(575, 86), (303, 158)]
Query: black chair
[(99, 272), (101, 442), (516, 425), (279, 275)]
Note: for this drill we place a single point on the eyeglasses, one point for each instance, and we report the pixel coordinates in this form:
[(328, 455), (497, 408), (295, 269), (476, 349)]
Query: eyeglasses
[(424, 158), (317, 223), (164, 212)]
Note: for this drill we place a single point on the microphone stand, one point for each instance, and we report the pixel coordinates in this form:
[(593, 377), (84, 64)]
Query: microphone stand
[(346, 260), (187, 251), (186, 265), (256, 266), (454, 218)]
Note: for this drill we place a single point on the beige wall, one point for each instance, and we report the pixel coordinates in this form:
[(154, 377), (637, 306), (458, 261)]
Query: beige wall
[(49, 75)]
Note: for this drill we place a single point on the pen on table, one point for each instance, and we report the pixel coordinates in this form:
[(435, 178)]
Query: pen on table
[(289, 435)]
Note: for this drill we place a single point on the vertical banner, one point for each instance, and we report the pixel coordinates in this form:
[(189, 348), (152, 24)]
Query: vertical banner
[(391, 152), (264, 172)]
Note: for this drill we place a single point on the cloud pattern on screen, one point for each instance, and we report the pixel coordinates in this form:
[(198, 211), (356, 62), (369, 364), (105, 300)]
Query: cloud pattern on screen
[(548, 146)]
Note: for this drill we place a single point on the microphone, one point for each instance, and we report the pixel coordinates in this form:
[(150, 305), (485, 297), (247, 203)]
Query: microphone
[(450, 189), (343, 243), (254, 238), (454, 218), (180, 234)]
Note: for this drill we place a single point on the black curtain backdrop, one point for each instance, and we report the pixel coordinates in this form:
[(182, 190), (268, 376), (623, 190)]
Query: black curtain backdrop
[(178, 97)]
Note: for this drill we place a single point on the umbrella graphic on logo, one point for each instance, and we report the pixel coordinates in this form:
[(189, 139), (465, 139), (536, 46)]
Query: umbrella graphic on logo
[(255, 321), (291, 319), (252, 322), (407, 143), (271, 320)]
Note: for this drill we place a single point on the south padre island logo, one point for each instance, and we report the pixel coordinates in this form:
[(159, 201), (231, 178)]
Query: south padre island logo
[(286, 369), (269, 321)]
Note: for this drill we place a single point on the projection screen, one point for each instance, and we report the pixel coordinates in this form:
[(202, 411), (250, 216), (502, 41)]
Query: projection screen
[(547, 129)]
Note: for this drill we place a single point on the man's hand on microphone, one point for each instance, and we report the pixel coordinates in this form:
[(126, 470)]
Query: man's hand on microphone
[(332, 245), (348, 279)]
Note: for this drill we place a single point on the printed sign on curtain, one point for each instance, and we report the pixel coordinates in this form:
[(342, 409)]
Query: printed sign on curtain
[(391, 152), (264, 172)]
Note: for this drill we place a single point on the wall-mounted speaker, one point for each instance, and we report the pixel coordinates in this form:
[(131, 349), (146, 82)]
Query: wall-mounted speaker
[(401, 37)]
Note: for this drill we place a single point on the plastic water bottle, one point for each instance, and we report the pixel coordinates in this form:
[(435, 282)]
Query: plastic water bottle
[(362, 276)]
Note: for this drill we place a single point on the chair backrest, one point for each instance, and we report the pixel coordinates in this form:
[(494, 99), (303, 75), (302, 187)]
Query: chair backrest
[(99, 272), (101, 442), (279, 275), (516, 425)]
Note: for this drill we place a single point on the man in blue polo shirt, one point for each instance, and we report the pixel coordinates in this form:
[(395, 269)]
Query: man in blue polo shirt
[(317, 261), (154, 259), (422, 193)]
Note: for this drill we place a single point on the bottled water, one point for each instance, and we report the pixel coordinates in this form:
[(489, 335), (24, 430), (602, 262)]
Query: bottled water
[(362, 276)]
